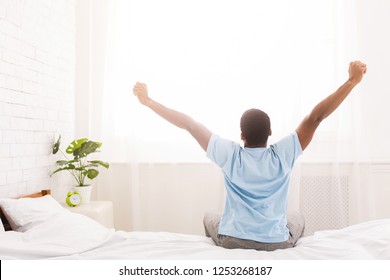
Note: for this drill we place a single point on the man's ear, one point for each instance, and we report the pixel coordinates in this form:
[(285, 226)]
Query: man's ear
[(270, 132)]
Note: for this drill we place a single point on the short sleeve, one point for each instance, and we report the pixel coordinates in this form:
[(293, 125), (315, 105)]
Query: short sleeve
[(221, 151), (288, 149)]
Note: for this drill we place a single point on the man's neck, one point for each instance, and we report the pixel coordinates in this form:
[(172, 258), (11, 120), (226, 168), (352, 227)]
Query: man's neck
[(255, 146)]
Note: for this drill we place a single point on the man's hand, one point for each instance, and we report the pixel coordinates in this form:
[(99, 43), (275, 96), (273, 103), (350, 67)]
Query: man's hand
[(356, 71), (141, 91)]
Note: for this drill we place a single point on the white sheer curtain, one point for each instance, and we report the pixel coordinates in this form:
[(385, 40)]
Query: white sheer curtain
[(213, 60)]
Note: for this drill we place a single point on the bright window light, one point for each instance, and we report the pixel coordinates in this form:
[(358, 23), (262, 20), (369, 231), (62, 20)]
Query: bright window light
[(213, 60)]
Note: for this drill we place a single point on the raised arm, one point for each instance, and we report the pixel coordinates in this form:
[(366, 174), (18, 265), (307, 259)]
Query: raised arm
[(201, 134), (327, 106)]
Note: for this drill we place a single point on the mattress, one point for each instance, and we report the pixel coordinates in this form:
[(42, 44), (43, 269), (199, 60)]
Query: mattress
[(43, 229)]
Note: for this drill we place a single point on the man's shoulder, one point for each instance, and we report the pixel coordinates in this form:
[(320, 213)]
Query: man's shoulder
[(288, 148), (290, 139), (215, 138), (221, 146)]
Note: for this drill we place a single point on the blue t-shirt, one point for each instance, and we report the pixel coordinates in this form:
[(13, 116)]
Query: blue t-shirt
[(256, 181)]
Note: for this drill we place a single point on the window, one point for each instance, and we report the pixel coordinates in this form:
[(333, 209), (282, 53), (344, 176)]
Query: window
[(213, 60)]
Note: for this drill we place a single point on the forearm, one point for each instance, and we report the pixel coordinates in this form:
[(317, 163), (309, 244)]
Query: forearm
[(327, 106), (176, 118), (201, 134)]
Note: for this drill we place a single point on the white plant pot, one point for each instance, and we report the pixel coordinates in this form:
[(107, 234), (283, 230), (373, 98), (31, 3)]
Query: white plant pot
[(85, 192)]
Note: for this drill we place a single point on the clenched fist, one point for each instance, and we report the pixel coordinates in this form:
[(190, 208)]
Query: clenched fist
[(356, 71), (141, 91)]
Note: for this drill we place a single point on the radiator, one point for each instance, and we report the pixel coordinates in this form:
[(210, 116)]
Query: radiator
[(324, 201)]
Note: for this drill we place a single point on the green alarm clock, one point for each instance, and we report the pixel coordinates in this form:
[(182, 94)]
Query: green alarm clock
[(73, 199)]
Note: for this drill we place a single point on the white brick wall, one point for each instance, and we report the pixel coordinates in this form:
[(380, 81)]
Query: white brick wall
[(37, 68)]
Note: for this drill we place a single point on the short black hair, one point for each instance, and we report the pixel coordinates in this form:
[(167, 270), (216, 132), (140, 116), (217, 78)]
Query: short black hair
[(255, 127)]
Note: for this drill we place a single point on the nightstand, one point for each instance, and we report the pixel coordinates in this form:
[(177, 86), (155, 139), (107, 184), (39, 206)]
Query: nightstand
[(100, 211)]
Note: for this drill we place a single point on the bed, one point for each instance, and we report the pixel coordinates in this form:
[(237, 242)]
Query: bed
[(43, 229)]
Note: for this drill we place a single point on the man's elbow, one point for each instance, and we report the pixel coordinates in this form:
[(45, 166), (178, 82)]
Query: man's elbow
[(315, 118)]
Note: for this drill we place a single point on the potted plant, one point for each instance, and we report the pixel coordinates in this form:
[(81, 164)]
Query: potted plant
[(79, 166)]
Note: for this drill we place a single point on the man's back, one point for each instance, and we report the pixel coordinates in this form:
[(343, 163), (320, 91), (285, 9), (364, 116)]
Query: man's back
[(256, 181)]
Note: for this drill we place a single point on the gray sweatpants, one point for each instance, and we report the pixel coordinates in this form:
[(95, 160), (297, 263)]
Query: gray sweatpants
[(295, 224)]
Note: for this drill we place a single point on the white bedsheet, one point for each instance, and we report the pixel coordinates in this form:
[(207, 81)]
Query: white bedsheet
[(73, 236)]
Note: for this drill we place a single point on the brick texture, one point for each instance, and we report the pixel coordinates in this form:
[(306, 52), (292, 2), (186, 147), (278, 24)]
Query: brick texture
[(37, 69)]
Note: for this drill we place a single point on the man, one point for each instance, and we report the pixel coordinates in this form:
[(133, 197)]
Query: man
[(256, 176)]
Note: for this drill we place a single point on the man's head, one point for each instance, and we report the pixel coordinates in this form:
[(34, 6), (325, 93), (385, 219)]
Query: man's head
[(255, 128)]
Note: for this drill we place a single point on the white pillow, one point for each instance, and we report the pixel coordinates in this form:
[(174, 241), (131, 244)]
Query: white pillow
[(24, 213)]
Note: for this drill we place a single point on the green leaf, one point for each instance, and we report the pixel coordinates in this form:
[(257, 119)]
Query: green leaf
[(76, 144), (62, 168), (71, 166), (57, 170), (86, 148), (56, 145), (101, 163), (62, 162), (91, 173), (81, 168)]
